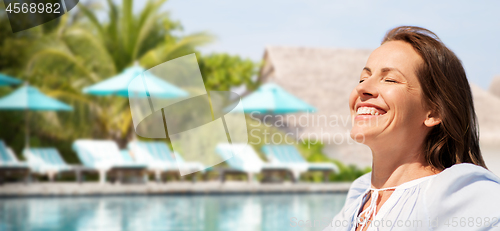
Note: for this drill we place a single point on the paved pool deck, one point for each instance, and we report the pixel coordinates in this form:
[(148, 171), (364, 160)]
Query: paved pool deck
[(172, 188)]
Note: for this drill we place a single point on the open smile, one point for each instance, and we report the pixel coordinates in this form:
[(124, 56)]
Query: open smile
[(368, 111)]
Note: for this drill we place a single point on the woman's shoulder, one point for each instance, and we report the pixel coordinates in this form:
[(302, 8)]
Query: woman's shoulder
[(466, 168), (359, 186), (463, 190), (463, 179), (463, 175)]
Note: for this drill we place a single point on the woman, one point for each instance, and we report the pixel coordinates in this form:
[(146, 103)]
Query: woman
[(413, 107)]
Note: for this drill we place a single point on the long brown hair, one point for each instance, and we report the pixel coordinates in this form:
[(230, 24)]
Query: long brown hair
[(447, 93)]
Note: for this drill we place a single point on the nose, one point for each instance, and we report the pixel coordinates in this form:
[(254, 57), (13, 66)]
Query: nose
[(367, 89)]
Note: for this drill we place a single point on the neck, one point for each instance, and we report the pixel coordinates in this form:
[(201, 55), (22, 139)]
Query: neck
[(394, 166)]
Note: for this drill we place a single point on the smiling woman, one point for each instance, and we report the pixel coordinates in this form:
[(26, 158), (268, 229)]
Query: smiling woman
[(413, 107)]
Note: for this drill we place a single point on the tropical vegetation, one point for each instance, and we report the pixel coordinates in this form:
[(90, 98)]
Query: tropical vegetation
[(79, 49)]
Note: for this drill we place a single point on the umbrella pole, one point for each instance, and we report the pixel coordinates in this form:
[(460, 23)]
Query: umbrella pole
[(27, 135)]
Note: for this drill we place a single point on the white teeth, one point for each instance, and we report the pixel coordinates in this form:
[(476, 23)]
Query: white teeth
[(367, 111)]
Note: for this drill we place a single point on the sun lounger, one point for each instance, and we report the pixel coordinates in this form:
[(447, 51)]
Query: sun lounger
[(127, 158), (106, 158), (242, 159), (159, 159), (10, 165), (289, 155), (48, 161)]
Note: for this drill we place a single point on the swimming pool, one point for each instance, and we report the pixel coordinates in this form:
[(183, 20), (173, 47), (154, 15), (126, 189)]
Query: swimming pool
[(192, 212)]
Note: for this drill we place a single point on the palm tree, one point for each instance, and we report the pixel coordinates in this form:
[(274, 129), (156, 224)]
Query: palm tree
[(145, 37), (85, 50)]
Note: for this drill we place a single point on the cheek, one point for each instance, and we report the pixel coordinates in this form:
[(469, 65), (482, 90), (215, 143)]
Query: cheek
[(407, 106), (418, 110), (393, 97), (352, 99)]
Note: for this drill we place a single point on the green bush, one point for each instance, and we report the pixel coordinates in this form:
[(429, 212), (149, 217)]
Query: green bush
[(313, 152)]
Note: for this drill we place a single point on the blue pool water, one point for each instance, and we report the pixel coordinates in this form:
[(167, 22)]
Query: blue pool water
[(148, 213)]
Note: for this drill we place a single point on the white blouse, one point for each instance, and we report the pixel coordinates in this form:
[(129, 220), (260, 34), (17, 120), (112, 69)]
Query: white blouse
[(462, 197)]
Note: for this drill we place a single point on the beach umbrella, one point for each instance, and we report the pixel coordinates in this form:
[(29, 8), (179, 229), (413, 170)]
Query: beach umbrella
[(28, 98), (119, 85), (271, 98), (7, 80)]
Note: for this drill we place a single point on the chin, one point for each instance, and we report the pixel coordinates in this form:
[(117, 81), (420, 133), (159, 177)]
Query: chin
[(362, 135), (358, 135)]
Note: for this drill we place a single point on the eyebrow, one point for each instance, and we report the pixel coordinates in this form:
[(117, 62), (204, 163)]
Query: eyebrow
[(385, 69)]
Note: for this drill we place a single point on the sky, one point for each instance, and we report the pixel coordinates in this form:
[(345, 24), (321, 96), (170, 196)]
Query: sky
[(245, 27)]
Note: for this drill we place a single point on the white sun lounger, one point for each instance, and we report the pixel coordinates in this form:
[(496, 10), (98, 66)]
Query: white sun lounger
[(106, 158), (159, 159), (289, 155), (9, 164), (48, 161), (242, 159)]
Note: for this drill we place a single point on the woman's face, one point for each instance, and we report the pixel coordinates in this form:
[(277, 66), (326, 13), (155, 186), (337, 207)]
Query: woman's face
[(387, 106)]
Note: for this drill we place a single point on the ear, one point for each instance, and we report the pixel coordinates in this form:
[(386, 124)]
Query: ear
[(432, 119)]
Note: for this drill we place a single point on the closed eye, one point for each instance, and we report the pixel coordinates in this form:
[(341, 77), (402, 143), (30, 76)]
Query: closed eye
[(362, 79), (391, 81)]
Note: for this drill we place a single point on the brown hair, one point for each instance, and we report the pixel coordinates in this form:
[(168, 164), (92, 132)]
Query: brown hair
[(447, 92)]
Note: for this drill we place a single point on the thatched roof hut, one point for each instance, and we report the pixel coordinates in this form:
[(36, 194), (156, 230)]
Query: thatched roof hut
[(487, 107), (495, 86)]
